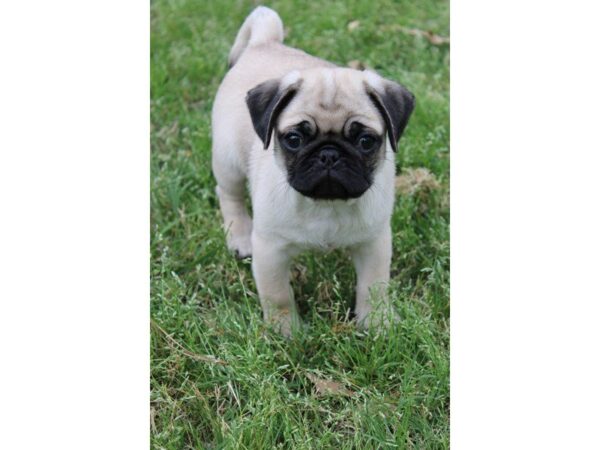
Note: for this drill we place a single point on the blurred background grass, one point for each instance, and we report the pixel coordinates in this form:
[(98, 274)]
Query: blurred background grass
[(219, 379)]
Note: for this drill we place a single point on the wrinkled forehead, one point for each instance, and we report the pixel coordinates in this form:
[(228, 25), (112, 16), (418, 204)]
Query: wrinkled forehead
[(332, 99)]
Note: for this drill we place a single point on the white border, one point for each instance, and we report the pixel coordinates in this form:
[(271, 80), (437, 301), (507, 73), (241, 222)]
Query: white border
[(525, 225), (74, 196)]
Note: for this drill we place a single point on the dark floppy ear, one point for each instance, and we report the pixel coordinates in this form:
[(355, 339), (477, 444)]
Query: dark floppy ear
[(265, 103), (395, 103)]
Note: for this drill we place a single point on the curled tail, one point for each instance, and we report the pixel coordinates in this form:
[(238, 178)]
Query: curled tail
[(261, 26)]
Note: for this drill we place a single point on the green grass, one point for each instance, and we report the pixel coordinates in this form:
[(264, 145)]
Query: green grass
[(219, 377)]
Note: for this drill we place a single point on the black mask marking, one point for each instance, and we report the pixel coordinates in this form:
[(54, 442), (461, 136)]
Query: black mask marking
[(330, 166)]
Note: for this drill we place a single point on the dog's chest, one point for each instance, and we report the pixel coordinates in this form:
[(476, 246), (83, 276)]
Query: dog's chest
[(325, 226)]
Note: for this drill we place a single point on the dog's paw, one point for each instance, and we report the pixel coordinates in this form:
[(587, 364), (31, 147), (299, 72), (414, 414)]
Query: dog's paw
[(382, 317), (240, 246), (238, 240), (285, 322)]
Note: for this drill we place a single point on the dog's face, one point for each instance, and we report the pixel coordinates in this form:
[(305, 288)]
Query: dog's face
[(330, 126)]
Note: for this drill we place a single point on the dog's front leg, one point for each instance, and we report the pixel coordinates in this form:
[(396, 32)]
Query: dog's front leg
[(372, 261), (270, 266)]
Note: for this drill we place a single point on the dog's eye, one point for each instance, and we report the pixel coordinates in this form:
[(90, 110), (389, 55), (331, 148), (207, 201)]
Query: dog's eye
[(292, 140), (367, 142)]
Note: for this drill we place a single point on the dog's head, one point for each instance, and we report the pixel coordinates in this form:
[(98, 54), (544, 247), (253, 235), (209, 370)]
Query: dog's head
[(331, 127)]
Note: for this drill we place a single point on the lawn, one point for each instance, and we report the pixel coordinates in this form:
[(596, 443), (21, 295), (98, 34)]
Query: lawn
[(219, 377)]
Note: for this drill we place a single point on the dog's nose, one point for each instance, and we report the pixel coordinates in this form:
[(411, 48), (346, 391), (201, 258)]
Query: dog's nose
[(329, 156)]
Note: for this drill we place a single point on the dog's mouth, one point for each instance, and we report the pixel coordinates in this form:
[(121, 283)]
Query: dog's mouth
[(330, 186)]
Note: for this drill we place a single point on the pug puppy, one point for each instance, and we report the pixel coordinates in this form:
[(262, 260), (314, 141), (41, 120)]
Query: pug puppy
[(315, 142)]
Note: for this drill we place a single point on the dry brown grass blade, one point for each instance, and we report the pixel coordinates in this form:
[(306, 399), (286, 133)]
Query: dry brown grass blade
[(435, 39), (328, 387), (173, 344), (413, 180), (152, 419), (353, 25)]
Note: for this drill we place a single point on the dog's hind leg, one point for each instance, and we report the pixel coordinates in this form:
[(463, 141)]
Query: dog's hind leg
[(231, 185)]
